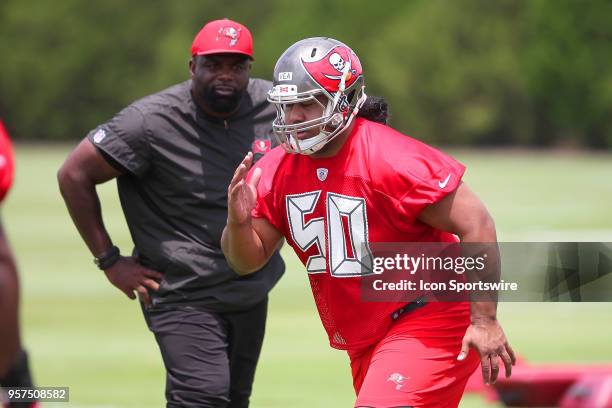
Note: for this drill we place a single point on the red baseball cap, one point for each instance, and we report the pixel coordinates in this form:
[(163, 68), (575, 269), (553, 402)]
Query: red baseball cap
[(223, 36)]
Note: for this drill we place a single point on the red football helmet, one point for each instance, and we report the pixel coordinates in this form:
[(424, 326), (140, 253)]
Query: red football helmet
[(6, 162)]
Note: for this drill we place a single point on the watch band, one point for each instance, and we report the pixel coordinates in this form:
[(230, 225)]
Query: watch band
[(108, 258)]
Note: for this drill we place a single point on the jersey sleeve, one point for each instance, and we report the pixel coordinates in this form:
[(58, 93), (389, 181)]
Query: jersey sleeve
[(429, 177), (124, 140), (267, 204), (6, 162)]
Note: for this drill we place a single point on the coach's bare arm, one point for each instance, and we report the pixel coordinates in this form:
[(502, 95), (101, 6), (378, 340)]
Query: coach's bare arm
[(81, 172), (462, 213), (247, 242)]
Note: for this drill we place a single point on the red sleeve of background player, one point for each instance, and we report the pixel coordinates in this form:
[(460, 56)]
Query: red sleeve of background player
[(267, 204), (6, 162)]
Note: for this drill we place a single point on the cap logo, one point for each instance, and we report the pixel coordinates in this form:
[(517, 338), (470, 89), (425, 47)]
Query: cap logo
[(231, 33)]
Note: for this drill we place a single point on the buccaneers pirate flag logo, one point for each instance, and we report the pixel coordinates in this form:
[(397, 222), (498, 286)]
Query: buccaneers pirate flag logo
[(328, 71)]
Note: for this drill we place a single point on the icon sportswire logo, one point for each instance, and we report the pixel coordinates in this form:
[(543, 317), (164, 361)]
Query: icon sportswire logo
[(443, 183)]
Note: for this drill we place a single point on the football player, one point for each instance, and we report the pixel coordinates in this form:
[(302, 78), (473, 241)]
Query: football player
[(340, 181), (14, 367)]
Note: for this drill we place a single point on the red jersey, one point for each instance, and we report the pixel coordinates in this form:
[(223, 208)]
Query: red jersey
[(329, 209), (6, 162)]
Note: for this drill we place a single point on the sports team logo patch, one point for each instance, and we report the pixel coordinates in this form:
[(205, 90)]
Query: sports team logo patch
[(322, 173), (229, 32), (328, 71), (261, 146), (398, 379), (99, 136)]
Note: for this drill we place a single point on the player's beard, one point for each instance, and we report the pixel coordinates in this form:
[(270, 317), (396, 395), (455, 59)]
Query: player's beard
[(222, 103)]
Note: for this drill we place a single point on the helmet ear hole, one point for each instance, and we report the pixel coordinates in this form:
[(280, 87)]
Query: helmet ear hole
[(313, 53)]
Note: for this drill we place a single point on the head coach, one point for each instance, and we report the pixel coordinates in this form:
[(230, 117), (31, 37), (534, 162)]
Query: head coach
[(173, 154)]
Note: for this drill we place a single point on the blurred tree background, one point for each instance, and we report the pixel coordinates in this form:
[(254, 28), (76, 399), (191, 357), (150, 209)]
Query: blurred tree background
[(456, 72)]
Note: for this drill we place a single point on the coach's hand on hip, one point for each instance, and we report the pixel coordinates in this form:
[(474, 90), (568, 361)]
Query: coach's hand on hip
[(129, 276)]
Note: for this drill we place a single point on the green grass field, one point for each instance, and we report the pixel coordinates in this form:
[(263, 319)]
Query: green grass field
[(83, 333)]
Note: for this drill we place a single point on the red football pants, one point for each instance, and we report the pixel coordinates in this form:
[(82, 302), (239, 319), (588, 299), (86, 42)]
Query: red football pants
[(415, 364)]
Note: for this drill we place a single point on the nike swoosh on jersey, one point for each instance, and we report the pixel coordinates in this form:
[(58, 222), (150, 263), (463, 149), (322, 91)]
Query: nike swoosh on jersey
[(443, 184)]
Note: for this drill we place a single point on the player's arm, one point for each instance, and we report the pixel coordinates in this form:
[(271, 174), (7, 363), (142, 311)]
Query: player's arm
[(247, 242), (462, 213), (10, 343), (84, 168)]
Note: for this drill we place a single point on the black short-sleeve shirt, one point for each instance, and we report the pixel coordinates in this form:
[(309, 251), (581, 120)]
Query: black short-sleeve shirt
[(177, 164)]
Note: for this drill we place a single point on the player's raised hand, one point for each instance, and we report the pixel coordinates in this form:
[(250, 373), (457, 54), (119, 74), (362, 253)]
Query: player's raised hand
[(242, 195), (129, 276), (489, 340)]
